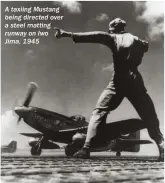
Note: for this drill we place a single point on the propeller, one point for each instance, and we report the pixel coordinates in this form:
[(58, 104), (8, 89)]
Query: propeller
[(32, 87), (18, 121), (15, 103)]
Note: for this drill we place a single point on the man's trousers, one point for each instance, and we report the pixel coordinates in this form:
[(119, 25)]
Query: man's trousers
[(134, 90)]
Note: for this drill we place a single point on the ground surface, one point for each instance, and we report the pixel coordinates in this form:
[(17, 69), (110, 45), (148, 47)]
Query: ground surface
[(57, 168)]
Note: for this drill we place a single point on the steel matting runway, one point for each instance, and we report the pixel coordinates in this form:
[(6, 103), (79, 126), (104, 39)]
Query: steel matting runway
[(59, 169)]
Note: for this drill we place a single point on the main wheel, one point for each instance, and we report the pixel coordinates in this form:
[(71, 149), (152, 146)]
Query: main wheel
[(35, 151), (118, 154), (70, 150)]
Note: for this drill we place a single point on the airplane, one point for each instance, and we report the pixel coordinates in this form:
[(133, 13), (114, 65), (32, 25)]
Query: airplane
[(56, 128), (10, 148)]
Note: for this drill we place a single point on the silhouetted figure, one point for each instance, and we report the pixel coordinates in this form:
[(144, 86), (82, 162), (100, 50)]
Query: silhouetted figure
[(128, 51)]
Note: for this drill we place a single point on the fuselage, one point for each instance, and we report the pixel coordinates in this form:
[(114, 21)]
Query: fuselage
[(60, 128), (50, 123)]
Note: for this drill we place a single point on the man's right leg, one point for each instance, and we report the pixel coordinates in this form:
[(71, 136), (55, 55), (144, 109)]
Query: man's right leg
[(146, 110), (108, 101)]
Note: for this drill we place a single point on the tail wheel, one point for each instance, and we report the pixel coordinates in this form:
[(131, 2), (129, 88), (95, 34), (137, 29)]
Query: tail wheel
[(70, 150), (118, 154), (36, 151)]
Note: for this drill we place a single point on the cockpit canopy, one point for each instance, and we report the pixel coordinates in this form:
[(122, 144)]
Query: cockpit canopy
[(78, 118)]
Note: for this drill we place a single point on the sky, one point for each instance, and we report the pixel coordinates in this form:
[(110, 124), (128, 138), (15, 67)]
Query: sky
[(71, 76)]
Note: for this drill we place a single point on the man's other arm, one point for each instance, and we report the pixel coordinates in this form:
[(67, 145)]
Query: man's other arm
[(144, 44)]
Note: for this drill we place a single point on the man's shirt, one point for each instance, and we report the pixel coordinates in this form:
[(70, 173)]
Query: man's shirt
[(127, 49)]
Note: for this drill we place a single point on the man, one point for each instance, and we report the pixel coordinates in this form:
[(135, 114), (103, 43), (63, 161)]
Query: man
[(128, 51)]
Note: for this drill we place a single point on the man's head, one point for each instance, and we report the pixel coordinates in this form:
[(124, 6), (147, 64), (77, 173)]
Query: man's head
[(117, 25)]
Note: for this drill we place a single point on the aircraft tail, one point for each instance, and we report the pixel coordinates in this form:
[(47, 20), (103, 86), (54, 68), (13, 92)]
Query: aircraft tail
[(131, 142), (134, 135), (13, 145)]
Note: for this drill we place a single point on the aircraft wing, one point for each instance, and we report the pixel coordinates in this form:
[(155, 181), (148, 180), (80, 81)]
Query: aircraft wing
[(35, 135), (80, 129), (130, 142)]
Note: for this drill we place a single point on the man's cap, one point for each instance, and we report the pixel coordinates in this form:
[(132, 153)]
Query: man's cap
[(117, 23)]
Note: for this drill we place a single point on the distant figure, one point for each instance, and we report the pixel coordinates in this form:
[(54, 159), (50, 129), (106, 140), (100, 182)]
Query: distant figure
[(128, 51)]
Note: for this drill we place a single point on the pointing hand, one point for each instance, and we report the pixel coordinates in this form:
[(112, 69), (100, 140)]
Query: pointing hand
[(58, 33)]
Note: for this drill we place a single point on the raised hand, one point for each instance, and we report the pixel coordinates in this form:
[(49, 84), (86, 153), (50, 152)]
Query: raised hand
[(58, 33)]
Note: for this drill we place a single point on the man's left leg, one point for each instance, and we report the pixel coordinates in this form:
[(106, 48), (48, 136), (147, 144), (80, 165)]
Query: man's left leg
[(108, 101)]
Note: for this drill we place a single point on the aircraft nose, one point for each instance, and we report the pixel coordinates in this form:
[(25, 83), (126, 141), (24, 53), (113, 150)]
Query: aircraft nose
[(18, 110), (21, 111)]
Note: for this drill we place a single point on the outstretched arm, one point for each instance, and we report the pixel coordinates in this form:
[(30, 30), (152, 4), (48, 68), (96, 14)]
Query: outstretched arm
[(92, 37), (86, 37)]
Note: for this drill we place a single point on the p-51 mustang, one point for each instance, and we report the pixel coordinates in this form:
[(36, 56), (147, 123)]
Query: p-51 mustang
[(53, 127)]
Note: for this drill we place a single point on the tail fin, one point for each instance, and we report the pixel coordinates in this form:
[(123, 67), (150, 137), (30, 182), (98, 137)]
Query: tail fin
[(13, 145), (133, 136)]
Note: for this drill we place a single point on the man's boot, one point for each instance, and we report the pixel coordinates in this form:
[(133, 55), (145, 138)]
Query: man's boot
[(83, 153), (161, 150)]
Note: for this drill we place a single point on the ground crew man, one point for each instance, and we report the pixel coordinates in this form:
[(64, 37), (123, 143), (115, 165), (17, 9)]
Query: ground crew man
[(128, 51)]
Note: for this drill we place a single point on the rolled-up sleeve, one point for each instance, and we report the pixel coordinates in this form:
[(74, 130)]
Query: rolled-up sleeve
[(92, 37)]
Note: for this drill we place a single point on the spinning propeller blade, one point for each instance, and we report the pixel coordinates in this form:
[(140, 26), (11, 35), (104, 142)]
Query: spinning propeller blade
[(18, 121), (32, 89)]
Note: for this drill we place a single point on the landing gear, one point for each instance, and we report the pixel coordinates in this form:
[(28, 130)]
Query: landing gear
[(36, 148), (36, 151), (77, 143), (118, 154), (70, 150)]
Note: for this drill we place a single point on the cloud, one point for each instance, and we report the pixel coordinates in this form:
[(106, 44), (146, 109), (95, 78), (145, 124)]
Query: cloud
[(10, 130), (8, 127), (102, 17), (93, 22), (71, 6), (152, 13), (30, 54)]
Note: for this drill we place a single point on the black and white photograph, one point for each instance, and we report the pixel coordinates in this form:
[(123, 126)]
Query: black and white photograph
[(82, 91)]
